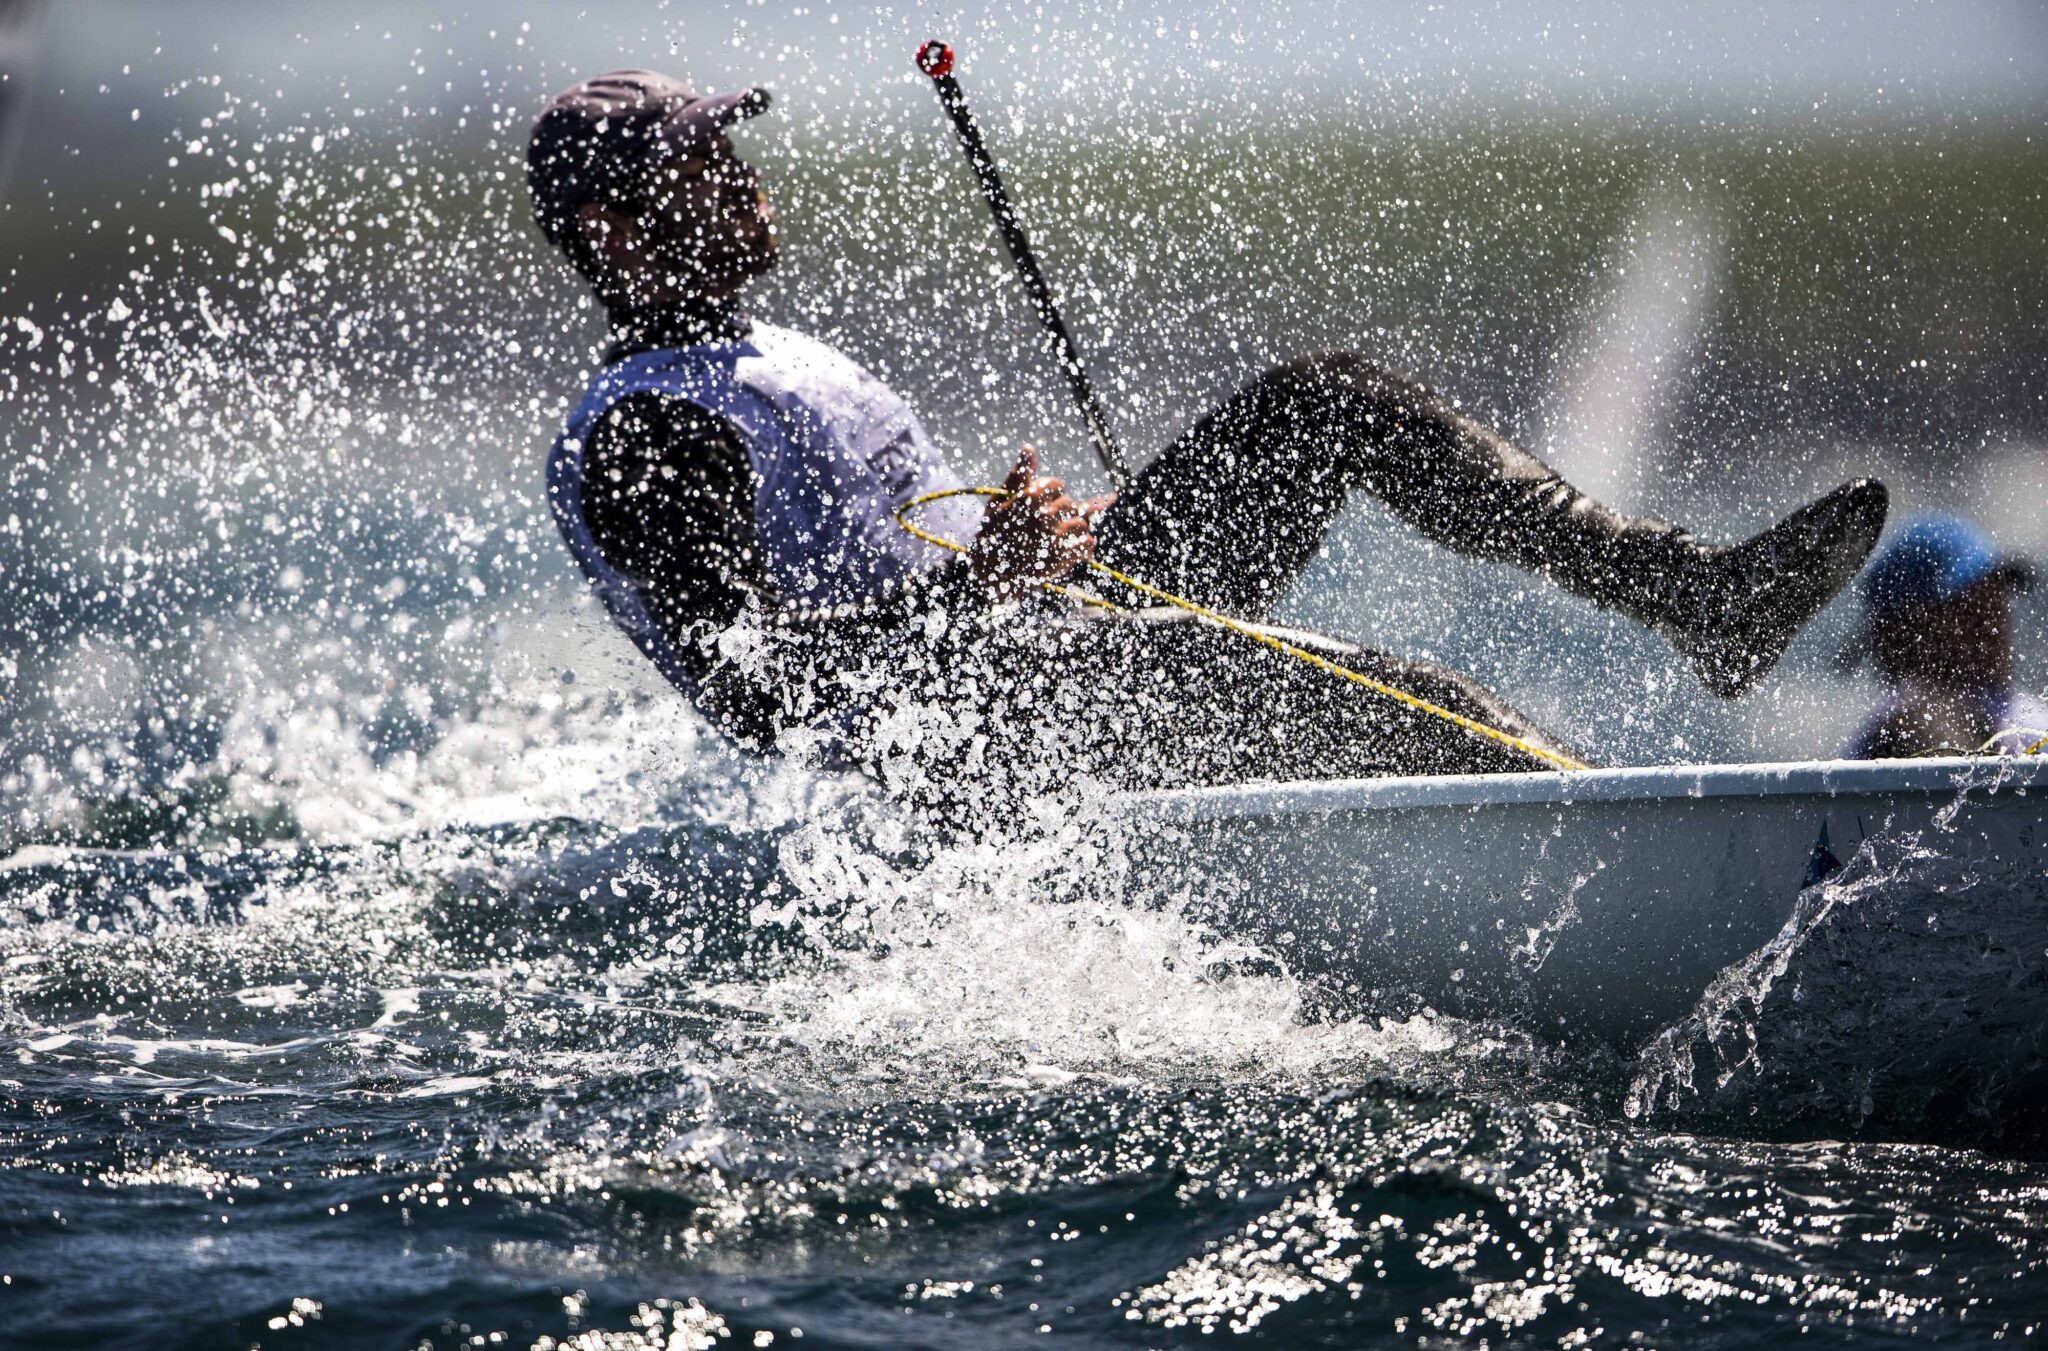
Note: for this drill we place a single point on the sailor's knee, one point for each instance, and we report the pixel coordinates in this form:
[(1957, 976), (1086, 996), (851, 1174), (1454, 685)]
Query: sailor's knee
[(1332, 373)]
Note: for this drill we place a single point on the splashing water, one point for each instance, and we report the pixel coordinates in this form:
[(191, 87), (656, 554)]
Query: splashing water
[(385, 958), (737, 1056)]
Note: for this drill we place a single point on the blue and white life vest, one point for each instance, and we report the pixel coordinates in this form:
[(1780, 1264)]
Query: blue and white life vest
[(834, 452)]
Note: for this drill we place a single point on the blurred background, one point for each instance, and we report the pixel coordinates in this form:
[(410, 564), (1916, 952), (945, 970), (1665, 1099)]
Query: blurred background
[(281, 352)]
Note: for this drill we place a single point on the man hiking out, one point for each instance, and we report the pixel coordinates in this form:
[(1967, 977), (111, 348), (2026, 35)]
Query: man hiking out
[(730, 488)]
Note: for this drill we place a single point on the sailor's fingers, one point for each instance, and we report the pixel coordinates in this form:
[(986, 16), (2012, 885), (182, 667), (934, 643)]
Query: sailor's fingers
[(1072, 532), (1055, 506), (1095, 506), (1070, 523), (1045, 491), (1020, 475)]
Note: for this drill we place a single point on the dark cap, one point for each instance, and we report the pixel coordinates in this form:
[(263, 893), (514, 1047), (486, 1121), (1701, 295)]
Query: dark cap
[(599, 136)]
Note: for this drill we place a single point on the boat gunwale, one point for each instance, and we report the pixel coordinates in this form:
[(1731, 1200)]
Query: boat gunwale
[(1775, 779)]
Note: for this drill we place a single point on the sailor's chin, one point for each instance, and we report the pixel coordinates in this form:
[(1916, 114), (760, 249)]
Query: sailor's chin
[(763, 257)]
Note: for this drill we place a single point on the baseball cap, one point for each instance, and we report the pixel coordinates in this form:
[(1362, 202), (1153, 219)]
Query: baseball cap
[(598, 136), (1933, 560)]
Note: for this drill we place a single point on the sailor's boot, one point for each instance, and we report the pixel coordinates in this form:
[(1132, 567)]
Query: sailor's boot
[(1730, 610)]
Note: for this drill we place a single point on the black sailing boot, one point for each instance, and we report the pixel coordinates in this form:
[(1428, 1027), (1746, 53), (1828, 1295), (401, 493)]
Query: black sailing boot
[(1730, 610), (1735, 614)]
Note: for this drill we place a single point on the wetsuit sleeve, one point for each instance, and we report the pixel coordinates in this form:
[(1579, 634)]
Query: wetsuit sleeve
[(668, 496), (668, 493)]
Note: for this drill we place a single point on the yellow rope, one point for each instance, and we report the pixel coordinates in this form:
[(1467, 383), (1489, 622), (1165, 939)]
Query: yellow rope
[(1989, 746), (1224, 621), (2030, 750)]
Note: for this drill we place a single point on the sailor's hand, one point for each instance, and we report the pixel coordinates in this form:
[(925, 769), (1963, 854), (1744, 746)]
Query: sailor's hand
[(1034, 534)]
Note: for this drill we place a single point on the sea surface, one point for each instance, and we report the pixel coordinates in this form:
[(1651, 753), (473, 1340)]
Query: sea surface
[(525, 1040)]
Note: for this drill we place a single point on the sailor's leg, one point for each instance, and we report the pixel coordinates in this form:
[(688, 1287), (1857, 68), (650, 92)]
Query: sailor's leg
[(1306, 432), (1231, 512), (1731, 611)]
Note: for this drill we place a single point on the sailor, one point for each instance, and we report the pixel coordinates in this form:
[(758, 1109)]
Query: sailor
[(730, 488), (1937, 603)]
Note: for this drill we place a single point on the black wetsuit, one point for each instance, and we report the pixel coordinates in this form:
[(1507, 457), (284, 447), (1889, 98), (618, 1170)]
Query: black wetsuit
[(1228, 515)]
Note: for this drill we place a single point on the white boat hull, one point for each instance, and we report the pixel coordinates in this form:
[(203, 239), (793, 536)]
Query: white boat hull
[(1587, 906)]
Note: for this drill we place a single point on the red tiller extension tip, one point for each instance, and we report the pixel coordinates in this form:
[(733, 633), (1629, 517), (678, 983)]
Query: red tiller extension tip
[(935, 59)]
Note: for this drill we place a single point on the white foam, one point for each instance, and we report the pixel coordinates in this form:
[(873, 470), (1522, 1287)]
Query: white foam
[(990, 964)]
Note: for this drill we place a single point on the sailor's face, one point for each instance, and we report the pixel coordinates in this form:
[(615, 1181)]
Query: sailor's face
[(707, 217), (1965, 644)]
